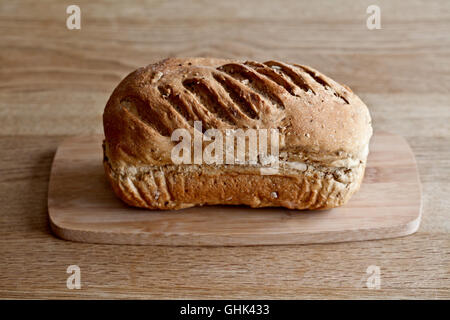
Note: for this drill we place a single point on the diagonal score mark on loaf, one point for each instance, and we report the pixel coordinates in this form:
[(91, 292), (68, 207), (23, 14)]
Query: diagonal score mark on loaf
[(188, 103), (292, 75), (246, 101), (227, 100), (210, 100), (175, 100), (326, 83), (149, 117), (236, 97), (187, 107), (277, 77), (255, 82)]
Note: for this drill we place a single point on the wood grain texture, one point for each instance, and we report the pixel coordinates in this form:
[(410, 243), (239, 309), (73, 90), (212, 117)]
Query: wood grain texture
[(55, 82), (82, 206)]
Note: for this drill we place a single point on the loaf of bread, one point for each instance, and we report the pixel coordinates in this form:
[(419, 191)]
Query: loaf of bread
[(323, 135)]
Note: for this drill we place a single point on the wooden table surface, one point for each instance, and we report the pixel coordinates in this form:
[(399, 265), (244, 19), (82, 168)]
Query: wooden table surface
[(55, 83)]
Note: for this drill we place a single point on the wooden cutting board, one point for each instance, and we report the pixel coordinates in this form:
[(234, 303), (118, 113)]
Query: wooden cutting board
[(82, 206)]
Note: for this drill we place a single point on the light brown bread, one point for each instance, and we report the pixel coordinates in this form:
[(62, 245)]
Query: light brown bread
[(324, 134)]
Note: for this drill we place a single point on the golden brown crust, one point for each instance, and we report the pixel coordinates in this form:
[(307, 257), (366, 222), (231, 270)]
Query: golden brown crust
[(321, 122), (184, 186)]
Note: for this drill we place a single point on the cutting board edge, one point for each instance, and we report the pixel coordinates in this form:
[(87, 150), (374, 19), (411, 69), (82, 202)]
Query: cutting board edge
[(93, 236), (210, 240)]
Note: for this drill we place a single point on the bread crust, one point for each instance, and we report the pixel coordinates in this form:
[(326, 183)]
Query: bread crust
[(322, 124)]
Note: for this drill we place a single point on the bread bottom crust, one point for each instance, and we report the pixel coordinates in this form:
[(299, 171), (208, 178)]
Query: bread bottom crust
[(169, 188)]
